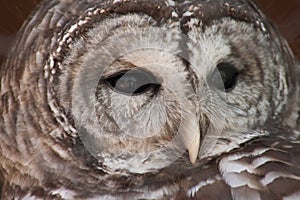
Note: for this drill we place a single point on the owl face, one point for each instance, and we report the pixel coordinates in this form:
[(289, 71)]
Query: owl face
[(144, 93), (149, 99)]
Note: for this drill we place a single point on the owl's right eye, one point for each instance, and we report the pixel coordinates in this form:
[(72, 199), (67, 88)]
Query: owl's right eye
[(133, 82)]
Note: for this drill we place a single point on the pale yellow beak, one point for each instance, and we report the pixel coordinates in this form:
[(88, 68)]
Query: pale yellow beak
[(190, 134)]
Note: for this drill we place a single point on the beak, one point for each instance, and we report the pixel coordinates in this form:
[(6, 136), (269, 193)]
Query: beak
[(190, 133)]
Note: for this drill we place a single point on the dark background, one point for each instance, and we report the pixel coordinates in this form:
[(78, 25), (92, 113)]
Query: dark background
[(284, 13)]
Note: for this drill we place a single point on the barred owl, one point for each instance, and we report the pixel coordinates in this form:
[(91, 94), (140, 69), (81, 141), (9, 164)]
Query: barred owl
[(140, 99)]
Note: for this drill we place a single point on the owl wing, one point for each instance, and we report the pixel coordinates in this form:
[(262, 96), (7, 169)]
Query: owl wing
[(266, 168)]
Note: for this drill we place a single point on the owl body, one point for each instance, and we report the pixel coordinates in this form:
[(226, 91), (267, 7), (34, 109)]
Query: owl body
[(149, 100)]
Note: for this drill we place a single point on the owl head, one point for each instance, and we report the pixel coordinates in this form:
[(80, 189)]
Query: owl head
[(148, 85)]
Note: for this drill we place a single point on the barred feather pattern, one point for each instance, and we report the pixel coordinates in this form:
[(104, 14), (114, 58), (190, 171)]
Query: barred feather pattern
[(268, 169), (43, 157)]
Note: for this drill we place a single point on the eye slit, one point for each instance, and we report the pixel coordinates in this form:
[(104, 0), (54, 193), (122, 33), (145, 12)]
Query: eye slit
[(224, 77), (132, 82)]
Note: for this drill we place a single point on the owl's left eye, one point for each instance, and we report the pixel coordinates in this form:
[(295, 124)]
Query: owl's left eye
[(133, 82), (224, 77)]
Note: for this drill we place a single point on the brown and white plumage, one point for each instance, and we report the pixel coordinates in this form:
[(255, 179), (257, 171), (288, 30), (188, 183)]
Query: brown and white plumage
[(69, 131)]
